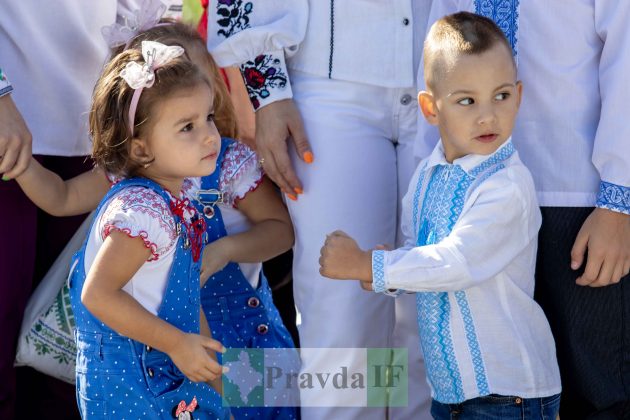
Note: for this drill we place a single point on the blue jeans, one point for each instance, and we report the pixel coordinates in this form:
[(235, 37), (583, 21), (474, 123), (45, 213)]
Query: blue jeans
[(498, 407)]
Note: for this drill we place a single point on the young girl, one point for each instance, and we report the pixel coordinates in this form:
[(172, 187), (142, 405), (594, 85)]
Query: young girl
[(246, 219), (134, 286)]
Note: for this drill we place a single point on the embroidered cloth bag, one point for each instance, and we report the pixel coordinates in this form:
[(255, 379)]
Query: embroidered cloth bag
[(46, 341)]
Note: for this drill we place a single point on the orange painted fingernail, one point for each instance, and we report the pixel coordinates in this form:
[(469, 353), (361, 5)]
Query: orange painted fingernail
[(298, 190), (292, 197), (308, 157)]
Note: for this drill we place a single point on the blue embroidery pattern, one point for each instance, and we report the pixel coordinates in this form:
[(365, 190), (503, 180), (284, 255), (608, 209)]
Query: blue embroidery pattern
[(378, 271), (473, 343), (614, 197), (505, 14), (445, 193)]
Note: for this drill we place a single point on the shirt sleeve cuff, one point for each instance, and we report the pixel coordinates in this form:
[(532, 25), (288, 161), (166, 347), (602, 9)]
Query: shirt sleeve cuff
[(614, 197), (378, 275), (266, 79), (5, 85)]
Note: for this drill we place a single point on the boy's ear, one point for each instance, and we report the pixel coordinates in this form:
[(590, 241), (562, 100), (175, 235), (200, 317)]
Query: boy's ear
[(519, 92), (427, 106), (139, 151)]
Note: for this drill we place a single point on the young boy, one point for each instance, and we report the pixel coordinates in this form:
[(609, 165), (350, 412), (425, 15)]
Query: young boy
[(470, 218)]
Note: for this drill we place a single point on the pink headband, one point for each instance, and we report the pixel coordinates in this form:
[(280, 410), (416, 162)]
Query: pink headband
[(139, 76)]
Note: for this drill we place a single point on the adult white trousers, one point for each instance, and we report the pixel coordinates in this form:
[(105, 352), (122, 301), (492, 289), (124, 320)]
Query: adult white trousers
[(362, 139)]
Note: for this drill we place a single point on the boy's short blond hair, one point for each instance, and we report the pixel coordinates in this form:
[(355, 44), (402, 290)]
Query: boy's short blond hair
[(457, 34)]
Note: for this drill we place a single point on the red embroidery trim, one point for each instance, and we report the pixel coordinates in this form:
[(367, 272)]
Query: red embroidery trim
[(195, 229), (151, 246)]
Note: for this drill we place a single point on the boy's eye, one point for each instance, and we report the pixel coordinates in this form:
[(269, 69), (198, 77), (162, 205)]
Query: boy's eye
[(502, 96), (210, 117), (466, 101), (187, 127)]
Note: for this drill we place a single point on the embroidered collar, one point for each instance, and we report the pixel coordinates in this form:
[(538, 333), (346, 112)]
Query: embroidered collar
[(472, 164)]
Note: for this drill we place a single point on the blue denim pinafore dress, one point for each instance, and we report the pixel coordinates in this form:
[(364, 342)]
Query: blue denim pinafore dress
[(117, 377), (239, 315)]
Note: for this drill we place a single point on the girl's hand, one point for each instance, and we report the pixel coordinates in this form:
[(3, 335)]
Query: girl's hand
[(190, 355), (215, 257)]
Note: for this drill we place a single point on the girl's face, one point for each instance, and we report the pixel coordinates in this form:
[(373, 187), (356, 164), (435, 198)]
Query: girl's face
[(184, 142)]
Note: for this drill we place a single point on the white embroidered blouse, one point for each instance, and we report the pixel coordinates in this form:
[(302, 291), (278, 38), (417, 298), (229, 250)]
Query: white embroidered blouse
[(141, 212)]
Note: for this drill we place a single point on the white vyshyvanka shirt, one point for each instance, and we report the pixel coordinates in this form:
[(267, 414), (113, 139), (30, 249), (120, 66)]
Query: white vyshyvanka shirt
[(471, 231), (572, 128), (375, 42)]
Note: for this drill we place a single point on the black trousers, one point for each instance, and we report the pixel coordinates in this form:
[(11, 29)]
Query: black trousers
[(591, 326)]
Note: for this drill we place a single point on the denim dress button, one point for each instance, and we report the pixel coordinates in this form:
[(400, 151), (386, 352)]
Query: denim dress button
[(148, 349), (262, 329), (150, 372), (253, 302)]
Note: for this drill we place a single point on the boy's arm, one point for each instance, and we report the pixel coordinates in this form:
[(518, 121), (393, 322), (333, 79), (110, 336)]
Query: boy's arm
[(270, 235), (488, 236), (57, 197), (606, 232)]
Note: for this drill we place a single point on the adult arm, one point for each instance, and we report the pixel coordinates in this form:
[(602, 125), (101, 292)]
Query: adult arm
[(15, 138), (606, 232), (257, 35)]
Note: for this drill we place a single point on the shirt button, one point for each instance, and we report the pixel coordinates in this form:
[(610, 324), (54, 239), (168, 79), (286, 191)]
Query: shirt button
[(405, 99), (262, 329), (405, 21), (253, 302), (150, 372)]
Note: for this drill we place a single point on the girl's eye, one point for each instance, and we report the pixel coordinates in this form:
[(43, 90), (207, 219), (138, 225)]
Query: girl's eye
[(466, 101), (502, 96), (187, 127), (210, 117)]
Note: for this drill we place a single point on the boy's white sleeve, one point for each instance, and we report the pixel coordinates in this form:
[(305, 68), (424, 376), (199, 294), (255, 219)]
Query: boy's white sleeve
[(611, 151), (256, 35), (501, 222)]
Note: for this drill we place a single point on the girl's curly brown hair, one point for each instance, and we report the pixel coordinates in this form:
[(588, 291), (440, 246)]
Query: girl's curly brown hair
[(109, 115)]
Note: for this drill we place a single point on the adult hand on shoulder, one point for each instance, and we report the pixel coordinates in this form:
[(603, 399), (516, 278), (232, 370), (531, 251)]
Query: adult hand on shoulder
[(342, 259), (15, 140), (275, 124), (606, 236)]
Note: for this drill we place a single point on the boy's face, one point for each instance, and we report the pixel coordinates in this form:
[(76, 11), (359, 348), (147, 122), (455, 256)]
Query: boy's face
[(474, 103)]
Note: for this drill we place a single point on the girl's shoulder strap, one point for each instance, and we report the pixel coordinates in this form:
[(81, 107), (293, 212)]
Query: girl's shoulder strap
[(212, 181)]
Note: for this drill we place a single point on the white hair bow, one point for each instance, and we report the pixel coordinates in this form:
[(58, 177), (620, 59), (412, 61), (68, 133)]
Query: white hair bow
[(155, 55), (146, 17), (139, 76)]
